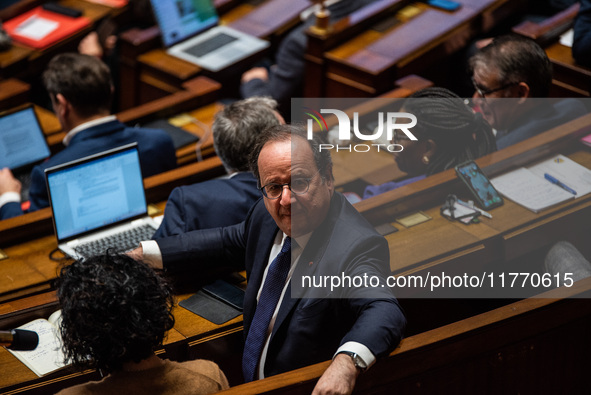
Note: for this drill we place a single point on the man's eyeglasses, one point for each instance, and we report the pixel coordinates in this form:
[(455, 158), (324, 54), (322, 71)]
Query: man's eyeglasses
[(297, 186), (482, 92)]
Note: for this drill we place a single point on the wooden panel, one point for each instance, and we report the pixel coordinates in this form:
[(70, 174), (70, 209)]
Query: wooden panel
[(13, 93), (567, 71)]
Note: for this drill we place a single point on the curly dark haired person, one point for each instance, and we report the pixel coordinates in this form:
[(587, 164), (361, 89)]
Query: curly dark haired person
[(115, 313)]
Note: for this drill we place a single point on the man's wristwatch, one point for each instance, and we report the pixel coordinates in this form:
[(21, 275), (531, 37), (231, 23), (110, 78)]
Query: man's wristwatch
[(357, 360)]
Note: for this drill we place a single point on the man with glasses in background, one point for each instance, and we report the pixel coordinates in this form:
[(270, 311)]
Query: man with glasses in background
[(301, 227), (507, 74)]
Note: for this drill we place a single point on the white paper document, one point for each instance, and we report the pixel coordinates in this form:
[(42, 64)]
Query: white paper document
[(525, 188), (36, 27), (529, 187), (48, 356), (567, 38), (569, 172)]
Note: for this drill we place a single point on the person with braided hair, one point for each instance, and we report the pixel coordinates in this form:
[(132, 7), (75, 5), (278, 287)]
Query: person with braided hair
[(448, 133)]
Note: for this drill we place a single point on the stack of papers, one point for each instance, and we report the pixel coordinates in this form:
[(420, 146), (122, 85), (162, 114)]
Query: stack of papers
[(530, 188)]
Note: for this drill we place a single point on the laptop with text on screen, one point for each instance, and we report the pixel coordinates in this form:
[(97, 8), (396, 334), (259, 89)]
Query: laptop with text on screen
[(190, 31), (98, 202), (22, 144)]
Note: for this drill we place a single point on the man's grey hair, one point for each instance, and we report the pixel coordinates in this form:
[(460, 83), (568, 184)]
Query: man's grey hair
[(517, 59), (236, 128)]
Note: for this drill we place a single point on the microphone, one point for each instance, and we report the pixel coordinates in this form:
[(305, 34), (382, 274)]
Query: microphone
[(19, 339)]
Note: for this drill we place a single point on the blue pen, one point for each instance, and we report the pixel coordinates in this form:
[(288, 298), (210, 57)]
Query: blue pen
[(560, 184)]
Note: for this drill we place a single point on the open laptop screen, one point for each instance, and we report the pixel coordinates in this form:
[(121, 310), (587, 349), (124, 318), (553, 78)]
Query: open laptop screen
[(96, 192), (22, 141), (181, 19)]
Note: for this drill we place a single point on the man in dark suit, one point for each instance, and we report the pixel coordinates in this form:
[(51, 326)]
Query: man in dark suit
[(81, 91), (510, 74), (288, 323), (224, 201)]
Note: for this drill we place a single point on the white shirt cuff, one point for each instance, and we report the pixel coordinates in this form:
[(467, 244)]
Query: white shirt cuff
[(360, 350), (152, 254), (9, 197)]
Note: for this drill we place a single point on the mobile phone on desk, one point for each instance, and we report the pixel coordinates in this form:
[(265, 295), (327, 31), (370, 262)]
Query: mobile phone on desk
[(446, 5), (226, 292), (484, 193)]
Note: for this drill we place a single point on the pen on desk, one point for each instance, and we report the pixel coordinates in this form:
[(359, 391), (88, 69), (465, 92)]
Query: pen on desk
[(560, 184), (467, 204)]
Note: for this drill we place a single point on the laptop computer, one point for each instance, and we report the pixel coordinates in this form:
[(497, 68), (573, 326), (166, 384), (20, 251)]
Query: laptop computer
[(98, 202), (22, 144), (188, 32)]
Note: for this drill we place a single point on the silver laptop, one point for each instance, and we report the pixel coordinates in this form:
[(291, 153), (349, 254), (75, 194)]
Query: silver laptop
[(184, 28), (98, 203), (22, 144)]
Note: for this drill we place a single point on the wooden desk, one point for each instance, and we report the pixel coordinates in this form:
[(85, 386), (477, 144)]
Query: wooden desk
[(418, 37), (569, 79), (13, 93), (321, 41)]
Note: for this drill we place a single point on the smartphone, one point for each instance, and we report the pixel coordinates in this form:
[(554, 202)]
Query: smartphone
[(446, 5), (484, 193), (226, 292)]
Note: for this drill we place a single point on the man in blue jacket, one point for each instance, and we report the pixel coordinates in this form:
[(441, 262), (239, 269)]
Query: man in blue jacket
[(81, 90)]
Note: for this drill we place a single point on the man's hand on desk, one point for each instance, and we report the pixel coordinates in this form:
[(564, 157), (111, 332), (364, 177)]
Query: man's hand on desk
[(8, 183), (339, 378)]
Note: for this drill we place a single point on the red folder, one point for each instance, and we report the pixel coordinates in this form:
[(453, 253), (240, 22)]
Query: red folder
[(66, 27), (111, 3)]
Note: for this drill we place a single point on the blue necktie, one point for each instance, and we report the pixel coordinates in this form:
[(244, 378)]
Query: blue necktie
[(257, 334)]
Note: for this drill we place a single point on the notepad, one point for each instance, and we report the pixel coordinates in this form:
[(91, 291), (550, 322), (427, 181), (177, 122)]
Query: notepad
[(48, 356), (36, 27), (529, 188), (567, 171)]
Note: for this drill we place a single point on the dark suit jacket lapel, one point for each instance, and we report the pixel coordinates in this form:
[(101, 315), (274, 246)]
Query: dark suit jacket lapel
[(310, 260)]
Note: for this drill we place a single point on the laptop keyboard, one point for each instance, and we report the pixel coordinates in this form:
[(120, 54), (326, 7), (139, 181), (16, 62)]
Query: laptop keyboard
[(207, 46), (120, 242)]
